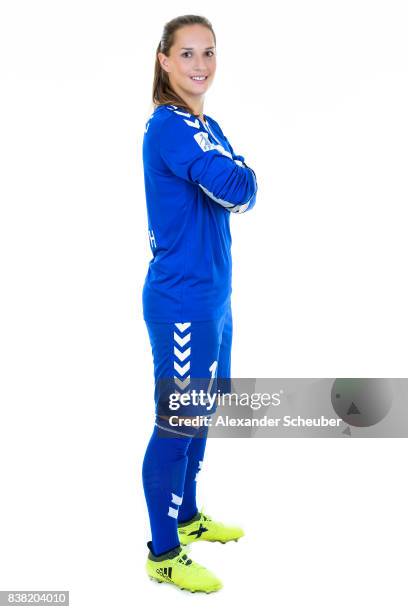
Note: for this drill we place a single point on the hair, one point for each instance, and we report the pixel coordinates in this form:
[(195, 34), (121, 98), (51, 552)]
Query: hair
[(163, 93)]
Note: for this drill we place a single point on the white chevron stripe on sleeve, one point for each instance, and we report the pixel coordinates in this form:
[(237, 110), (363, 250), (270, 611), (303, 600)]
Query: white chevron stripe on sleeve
[(231, 206), (182, 113), (240, 208), (195, 124)]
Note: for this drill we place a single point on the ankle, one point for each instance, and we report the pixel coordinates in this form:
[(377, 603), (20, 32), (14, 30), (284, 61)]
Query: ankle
[(192, 519)]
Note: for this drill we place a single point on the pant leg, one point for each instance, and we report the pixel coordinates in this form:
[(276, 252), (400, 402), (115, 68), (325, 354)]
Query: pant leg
[(165, 461), (164, 468), (224, 357), (196, 449), (195, 457), (182, 352)]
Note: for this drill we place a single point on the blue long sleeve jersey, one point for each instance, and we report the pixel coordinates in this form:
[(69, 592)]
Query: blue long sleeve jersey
[(193, 182)]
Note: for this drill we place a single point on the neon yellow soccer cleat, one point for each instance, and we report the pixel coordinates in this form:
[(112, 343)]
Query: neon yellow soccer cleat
[(202, 527), (176, 568)]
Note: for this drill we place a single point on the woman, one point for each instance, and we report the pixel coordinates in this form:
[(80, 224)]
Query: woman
[(193, 182)]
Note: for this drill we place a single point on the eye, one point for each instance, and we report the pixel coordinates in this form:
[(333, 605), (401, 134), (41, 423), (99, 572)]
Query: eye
[(186, 53)]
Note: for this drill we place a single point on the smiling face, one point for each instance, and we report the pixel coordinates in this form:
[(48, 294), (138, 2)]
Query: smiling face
[(191, 55)]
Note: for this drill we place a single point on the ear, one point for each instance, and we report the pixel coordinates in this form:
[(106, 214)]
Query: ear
[(164, 61)]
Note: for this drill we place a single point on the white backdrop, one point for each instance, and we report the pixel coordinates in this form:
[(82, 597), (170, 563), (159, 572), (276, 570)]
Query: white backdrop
[(314, 94)]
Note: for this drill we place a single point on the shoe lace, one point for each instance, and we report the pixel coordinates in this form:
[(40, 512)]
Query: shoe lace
[(185, 560), (206, 517)]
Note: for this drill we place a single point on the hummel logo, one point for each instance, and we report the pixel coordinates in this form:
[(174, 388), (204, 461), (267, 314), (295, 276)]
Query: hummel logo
[(199, 531), (165, 572)]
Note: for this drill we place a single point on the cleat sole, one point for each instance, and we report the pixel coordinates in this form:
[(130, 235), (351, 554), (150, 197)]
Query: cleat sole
[(181, 588)]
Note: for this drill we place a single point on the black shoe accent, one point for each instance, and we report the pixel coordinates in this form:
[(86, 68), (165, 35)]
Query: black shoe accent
[(169, 554), (199, 531), (186, 560), (165, 572)]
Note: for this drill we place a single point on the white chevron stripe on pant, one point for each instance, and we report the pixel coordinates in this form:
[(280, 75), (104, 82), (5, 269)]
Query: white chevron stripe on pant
[(182, 384), (182, 326), (182, 341), (176, 500), (182, 355), (200, 465), (182, 368)]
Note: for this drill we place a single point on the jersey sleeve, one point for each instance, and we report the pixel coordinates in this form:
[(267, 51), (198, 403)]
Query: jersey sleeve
[(187, 151), (239, 159)]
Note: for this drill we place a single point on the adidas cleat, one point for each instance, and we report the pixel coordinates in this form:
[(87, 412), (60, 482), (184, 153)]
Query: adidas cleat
[(175, 567), (203, 527)]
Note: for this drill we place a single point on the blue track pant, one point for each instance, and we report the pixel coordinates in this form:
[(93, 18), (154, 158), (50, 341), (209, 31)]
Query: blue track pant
[(199, 350)]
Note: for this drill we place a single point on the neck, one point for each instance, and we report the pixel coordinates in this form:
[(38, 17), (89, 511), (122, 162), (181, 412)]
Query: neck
[(196, 103), (198, 110)]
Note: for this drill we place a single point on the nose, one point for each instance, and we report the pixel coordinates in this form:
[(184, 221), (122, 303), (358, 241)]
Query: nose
[(200, 66)]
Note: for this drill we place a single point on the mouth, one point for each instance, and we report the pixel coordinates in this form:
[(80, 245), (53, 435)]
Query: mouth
[(198, 78)]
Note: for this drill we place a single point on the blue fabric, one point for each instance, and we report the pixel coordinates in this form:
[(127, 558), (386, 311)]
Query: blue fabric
[(171, 464), (195, 456), (163, 472), (196, 449), (193, 182), (202, 350)]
